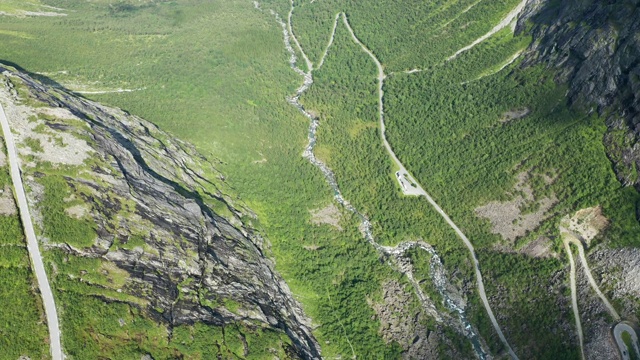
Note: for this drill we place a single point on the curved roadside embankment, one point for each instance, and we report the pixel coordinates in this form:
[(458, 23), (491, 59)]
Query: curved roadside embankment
[(419, 190), (32, 242)]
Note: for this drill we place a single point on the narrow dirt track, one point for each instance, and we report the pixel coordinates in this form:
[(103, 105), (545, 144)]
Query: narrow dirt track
[(333, 35), (511, 16)]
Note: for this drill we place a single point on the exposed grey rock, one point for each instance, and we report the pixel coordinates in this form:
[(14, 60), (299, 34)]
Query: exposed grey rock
[(619, 271), (399, 323)]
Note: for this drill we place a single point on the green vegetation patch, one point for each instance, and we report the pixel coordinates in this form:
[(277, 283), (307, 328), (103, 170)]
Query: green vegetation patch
[(97, 329), (11, 230), (22, 330), (18, 7), (626, 337), (57, 224), (447, 126), (14, 256), (521, 286), (34, 144)]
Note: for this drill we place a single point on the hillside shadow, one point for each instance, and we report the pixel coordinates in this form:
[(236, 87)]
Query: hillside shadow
[(43, 79)]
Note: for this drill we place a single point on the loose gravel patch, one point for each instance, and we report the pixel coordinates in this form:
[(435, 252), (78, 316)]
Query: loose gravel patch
[(329, 215), (7, 203), (507, 217), (58, 147)]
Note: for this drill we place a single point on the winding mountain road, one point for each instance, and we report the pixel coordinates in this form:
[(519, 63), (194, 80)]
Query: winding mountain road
[(570, 237), (404, 177), (419, 191), (32, 242)]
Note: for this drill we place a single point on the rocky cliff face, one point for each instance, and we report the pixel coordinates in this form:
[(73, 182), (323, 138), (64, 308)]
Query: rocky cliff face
[(595, 48), (151, 199)]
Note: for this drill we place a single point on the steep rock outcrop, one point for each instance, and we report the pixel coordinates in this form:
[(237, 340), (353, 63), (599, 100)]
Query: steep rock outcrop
[(193, 264), (594, 46)]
